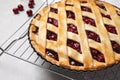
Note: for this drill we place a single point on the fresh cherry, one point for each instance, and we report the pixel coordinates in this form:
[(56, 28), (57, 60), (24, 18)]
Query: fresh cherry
[(32, 1), (15, 11), (31, 4), (29, 13), (20, 7)]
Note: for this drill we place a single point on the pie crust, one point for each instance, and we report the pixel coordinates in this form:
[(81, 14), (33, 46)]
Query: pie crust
[(77, 34)]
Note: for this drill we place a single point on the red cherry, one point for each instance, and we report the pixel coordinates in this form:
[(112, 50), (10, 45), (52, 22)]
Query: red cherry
[(15, 11), (32, 1), (31, 5), (29, 13), (20, 7)]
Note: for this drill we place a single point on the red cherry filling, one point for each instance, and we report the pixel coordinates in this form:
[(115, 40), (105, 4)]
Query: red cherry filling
[(106, 15), (88, 20), (36, 30), (74, 44), (93, 36), (69, 4), (83, 1), (53, 21), (20, 7), (72, 28), (115, 46), (15, 10), (52, 54), (118, 13), (85, 8), (53, 10), (101, 6), (70, 14), (97, 55), (74, 63), (111, 29), (51, 35)]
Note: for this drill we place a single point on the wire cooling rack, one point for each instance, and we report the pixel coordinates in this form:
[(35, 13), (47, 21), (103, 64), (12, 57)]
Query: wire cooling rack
[(18, 46)]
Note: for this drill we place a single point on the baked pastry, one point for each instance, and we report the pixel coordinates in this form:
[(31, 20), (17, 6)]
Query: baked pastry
[(77, 34)]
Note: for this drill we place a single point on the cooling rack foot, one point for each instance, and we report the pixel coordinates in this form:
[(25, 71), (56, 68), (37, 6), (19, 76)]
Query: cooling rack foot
[(1, 51)]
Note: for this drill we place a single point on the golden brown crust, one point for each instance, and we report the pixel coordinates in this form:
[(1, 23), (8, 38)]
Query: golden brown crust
[(40, 43)]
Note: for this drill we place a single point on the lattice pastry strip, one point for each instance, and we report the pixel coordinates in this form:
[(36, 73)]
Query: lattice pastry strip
[(116, 22), (42, 32), (107, 21), (62, 37), (105, 41), (83, 38), (76, 34), (112, 29), (51, 35), (73, 37), (34, 28)]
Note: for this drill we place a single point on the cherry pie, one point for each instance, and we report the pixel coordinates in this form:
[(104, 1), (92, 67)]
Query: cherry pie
[(77, 34)]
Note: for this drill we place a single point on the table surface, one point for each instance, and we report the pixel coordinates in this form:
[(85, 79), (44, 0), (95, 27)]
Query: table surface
[(10, 67)]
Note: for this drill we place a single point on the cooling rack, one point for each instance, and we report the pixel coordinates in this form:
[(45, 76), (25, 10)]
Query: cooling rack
[(17, 45)]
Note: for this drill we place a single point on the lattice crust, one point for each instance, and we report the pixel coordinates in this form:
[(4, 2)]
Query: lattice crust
[(77, 34)]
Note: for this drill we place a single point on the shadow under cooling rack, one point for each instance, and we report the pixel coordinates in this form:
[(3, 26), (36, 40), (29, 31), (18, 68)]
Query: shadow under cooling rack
[(19, 47)]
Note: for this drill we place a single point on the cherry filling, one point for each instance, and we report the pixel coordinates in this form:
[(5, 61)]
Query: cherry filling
[(52, 54), (36, 30), (74, 63), (93, 36), (101, 6), (72, 28), (53, 10), (115, 46), (85, 8), (51, 35), (69, 4), (88, 20), (70, 14), (118, 13), (111, 29), (83, 1), (53, 21), (74, 44), (97, 55), (106, 15)]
